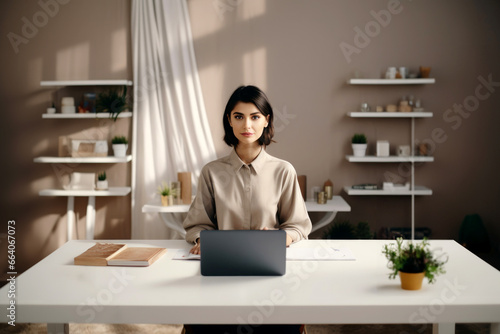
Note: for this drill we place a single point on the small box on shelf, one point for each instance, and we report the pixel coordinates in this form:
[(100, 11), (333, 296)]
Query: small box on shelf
[(382, 148)]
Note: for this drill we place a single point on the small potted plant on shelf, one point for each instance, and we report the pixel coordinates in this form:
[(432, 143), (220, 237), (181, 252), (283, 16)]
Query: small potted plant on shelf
[(120, 146), (413, 261), (112, 102), (359, 145), (102, 182), (167, 194)]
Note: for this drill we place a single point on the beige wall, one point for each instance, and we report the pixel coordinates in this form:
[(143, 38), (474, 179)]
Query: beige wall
[(292, 50), (73, 40)]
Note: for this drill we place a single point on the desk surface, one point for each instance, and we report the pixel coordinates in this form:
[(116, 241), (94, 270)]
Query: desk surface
[(170, 291)]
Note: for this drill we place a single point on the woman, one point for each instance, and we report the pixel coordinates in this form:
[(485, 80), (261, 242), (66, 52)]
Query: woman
[(248, 189)]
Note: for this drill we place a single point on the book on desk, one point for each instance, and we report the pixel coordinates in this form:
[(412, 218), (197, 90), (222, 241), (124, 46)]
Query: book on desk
[(109, 254)]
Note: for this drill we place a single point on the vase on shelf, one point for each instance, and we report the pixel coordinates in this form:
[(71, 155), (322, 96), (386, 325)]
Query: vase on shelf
[(359, 150), (101, 185), (120, 150), (167, 200)]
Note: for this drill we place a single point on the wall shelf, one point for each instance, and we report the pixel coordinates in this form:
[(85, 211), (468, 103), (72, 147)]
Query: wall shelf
[(372, 158), (88, 160), (125, 114), (60, 83), (419, 191), (384, 114), (420, 81), (413, 189), (90, 193), (112, 191)]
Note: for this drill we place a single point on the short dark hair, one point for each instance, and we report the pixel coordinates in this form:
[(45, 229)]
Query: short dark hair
[(249, 94)]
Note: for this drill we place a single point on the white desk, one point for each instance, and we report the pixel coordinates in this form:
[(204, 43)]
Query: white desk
[(55, 291), (336, 204), (91, 194)]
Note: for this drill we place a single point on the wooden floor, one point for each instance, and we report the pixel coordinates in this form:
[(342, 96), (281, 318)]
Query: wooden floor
[(176, 329)]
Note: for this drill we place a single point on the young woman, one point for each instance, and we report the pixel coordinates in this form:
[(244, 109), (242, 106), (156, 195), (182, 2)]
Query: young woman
[(248, 189)]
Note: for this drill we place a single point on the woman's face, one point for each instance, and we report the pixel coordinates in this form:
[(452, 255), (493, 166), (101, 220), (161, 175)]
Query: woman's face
[(247, 122)]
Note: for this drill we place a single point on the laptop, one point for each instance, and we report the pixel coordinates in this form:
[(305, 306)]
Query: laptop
[(243, 253)]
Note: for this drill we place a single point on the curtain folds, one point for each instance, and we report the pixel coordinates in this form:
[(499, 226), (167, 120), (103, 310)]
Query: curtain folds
[(171, 132)]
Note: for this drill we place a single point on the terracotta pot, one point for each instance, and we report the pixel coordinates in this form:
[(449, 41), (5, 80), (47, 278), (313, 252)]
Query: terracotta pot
[(411, 281)]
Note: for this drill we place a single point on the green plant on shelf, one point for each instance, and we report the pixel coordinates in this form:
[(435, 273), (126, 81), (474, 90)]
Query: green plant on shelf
[(119, 140), (413, 257), (101, 176), (112, 102), (358, 138), (165, 190)]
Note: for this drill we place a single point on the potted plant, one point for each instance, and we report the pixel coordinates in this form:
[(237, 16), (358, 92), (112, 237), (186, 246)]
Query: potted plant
[(359, 145), (412, 261), (120, 146), (167, 194), (112, 102), (102, 182)]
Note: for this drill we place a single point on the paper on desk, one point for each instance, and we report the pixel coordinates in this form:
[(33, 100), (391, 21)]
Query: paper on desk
[(319, 254), (183, 254)]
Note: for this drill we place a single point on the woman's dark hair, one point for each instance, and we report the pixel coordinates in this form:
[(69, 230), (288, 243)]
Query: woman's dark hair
[(249, 94)]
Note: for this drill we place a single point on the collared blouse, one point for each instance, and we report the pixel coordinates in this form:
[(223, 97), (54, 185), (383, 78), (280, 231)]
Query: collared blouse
[(232, 195)]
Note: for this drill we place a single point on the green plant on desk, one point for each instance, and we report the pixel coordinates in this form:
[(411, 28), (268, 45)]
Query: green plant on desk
[(413, 257)]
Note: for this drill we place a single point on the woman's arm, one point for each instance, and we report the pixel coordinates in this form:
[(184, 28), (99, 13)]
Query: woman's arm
[(201, 214), (292, 212)]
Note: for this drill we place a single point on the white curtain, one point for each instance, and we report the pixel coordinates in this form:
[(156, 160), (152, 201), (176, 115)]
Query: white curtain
[(171, 132)]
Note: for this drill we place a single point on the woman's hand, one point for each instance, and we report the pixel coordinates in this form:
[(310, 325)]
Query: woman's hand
[(288, 237), (196, 248)]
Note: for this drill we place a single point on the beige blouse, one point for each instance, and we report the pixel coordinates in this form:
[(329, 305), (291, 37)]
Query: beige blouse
[(232, 195)]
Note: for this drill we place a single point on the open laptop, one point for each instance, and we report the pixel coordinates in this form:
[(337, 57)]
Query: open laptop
[(243, 253)]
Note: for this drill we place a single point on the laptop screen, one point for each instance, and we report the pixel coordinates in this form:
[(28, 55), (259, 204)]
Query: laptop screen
[(243, 253)]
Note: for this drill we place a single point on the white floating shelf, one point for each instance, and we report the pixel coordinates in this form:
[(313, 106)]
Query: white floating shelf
[(152, 208), (392, 81), (384, 114), (372, 158), (87, 160), (112, 191), (125, 114), (419, 190), (57, 83)]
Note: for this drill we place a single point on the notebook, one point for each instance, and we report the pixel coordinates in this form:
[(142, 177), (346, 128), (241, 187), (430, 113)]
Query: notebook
[(243, 253)]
